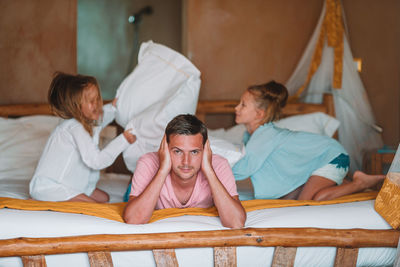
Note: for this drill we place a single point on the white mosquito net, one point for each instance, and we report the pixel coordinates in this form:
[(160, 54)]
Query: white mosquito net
[(358, 131)]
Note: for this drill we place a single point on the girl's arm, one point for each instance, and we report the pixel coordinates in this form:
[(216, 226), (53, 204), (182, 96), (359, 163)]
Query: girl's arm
[(259, 147), (91, 155)]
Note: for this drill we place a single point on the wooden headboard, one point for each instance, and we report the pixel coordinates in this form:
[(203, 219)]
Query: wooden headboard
[(204, 108)]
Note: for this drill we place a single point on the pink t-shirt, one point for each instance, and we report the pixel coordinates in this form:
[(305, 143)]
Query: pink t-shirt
[(147, 167)]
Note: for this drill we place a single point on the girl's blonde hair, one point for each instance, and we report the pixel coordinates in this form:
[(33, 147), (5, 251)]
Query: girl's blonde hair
[(270, 97), (65, 97)]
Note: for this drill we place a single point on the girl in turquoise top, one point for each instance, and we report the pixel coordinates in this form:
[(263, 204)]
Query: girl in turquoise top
[(290, 164)]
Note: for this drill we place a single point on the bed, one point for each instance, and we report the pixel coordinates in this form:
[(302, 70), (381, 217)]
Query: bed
[(292, 233)]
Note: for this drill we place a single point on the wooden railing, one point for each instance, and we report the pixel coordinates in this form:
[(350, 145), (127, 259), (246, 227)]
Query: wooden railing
[(224, 242)]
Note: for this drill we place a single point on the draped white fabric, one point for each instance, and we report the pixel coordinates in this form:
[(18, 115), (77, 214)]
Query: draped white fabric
[(358, 131)]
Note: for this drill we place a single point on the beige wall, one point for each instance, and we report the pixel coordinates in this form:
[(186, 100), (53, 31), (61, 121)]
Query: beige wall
[(237, 43), (233, 42), (37, 38), (374, 29)]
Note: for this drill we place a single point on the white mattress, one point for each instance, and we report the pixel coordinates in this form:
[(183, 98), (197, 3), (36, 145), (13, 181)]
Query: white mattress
[(18, 223)]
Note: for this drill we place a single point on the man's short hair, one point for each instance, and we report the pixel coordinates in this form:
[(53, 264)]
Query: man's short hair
[(186, 124)]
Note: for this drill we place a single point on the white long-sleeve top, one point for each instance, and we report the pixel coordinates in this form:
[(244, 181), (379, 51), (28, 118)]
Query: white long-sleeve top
[(71, 160)]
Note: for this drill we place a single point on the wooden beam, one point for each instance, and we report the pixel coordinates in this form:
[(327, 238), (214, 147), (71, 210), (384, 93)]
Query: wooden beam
[(228, 107), (262, 237), (19, 110)]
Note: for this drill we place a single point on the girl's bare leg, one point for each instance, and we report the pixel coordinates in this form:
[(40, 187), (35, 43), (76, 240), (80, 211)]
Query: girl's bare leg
[(82, 198), (294, 194), (314, 185), (100, 196), (360, 182)]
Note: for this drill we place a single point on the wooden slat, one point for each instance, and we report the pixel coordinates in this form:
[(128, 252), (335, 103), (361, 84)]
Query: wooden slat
[(19, 110), (34, 261), (165, 258), (346, 257), (284, 257), (100, 259), (205, 107), (225, 257), (329, 103), (263, 237)]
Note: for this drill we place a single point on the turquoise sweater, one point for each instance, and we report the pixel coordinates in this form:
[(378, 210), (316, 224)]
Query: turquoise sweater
[(279, 160)]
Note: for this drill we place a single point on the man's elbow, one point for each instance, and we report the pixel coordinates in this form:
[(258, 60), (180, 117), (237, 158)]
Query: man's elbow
[(134, 220), (133, 217), (236, 224)]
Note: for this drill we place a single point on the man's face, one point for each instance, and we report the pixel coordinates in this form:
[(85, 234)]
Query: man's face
[(186, 155)]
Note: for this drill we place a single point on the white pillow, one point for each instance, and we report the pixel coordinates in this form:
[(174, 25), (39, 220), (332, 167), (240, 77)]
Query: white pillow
[(21, 144), (162, 86), (317, 122), (232, 152), (160, 72)]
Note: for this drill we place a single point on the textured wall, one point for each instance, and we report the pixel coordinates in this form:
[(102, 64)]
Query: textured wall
[(36, 38), (374, 29), (236, 43), (106, 41)]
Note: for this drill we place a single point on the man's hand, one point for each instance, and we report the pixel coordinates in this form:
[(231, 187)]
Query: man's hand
[(207, 158), (230, 210), (165, 157), (139, 209)]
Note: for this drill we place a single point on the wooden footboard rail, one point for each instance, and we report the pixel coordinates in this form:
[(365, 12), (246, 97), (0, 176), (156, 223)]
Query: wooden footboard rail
[(224, 242)]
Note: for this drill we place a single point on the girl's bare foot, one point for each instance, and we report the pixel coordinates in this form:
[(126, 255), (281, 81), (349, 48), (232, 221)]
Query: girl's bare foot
[(365, 181)]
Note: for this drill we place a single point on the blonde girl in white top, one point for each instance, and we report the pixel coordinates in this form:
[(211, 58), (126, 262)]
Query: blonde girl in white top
[(70, 165)]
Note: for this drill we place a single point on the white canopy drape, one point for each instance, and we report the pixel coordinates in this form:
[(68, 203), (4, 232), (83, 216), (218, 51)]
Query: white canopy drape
[(358, 131)]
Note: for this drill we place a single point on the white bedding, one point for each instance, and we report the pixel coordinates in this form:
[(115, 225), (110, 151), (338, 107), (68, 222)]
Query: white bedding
[(340, 216), (29, 135)]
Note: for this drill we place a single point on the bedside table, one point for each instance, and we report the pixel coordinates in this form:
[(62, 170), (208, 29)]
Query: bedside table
[(378, 161)]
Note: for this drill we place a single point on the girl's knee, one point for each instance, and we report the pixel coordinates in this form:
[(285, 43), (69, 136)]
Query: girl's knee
[(321, 196), (100, 196)]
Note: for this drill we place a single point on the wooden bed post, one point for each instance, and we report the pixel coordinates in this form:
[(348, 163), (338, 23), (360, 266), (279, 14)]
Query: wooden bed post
[(284, 256), (330, 105), (34, 261), (225, 257), (165, 257)]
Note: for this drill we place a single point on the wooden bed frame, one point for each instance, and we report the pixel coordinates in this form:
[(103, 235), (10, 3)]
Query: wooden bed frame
[(224, 242)]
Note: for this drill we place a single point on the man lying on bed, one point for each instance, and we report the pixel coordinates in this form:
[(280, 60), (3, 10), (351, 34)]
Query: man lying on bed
[(184, 173)]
